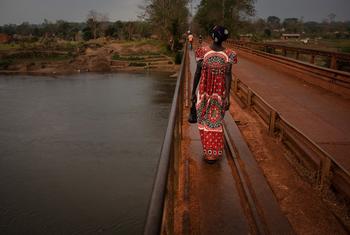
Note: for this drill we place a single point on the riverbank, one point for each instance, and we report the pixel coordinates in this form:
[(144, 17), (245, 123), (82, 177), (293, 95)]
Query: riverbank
[(94, 56)]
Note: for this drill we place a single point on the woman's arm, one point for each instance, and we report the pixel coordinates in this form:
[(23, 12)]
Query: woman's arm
[(196, 79), (228, 79)]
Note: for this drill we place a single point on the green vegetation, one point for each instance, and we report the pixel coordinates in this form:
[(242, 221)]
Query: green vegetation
[(342, 45), (9, 46), (178, 57), (4, 63), (116, 56), (138, 64), (37, 56), (141, 42)]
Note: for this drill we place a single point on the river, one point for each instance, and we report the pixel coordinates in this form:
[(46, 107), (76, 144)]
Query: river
[(78, 153)]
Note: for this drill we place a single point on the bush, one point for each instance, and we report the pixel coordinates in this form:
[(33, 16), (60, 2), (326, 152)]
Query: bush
[(137, 64), (345, 49), (115, 56), (133, 58), (4, 63)]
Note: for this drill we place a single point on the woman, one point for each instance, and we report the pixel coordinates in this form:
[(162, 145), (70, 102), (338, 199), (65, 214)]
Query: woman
[(213, 74)]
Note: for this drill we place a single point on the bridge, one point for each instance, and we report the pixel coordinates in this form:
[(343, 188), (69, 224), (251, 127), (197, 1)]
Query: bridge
[(304, 107)]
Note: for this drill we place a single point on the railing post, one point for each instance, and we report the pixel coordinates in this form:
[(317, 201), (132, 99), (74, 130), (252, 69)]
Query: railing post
[(312, 59), (249, 97), (284, 51), (235, 85), (272, 124), (297, 55), (188, 83), (333, 62), (266, 48), (325, 171)]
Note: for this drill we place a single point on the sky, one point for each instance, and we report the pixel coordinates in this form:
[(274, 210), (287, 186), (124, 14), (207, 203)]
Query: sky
[(35, 11)]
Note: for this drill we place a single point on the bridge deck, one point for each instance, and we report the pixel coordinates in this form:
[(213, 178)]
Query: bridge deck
[(321, 115)]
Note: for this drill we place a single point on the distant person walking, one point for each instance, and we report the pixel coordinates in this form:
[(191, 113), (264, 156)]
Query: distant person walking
[(200, 40), (190, 40), (213, 74)]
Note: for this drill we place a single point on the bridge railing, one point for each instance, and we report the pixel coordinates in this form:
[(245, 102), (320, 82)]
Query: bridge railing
[(333, 80), (334, 58), (161, 208), (325, 170)]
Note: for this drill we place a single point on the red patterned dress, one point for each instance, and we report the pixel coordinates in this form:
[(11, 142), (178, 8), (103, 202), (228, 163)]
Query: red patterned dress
[(210, 99)]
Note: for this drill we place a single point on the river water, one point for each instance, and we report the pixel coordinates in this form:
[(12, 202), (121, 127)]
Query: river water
[(78, 153)]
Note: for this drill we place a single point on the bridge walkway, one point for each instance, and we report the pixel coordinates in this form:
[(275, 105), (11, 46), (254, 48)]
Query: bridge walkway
[(321, 115), (229, 197)]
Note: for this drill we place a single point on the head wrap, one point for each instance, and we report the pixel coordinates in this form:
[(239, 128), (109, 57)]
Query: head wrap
[(219, 33)]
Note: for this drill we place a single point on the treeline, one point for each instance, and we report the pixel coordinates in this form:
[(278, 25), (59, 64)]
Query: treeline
[(168, 20), (60, 28), (274, 27), (78, 31), (163, 19), (237, 16)]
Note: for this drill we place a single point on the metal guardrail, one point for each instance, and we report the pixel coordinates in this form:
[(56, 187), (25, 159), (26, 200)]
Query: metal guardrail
[(160, 208), (335, 76), (333, 80), (327, 171), (334, 57)]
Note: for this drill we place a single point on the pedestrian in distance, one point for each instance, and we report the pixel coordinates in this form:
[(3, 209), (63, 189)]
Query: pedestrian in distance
[(190, 40)]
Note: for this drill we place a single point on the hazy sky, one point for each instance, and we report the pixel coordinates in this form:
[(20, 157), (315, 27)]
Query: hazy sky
[(35, 11)]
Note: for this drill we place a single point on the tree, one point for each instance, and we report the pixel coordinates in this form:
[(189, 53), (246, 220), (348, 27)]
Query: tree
[(230, 13), (24, 29), (291, 25), (273, 22), (96, 23), (87, 34), (267, 33), (66, 30), (9, 29), (313, 28), (168, 17), (126, 30)]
